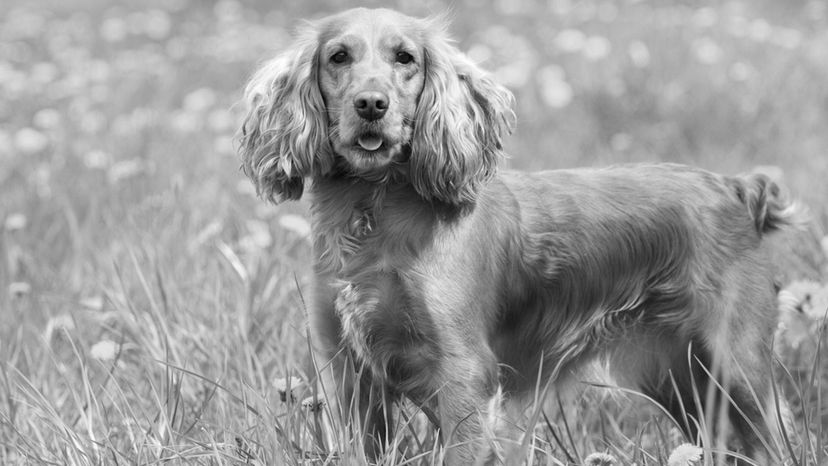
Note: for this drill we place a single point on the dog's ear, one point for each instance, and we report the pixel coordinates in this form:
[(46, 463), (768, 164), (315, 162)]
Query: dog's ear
[(284, 136), (462, 114)]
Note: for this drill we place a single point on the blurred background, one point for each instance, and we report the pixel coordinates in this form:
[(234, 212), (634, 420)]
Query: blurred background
[(127, 222)]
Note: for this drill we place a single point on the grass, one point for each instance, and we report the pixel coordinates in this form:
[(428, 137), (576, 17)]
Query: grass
[(150, 300)]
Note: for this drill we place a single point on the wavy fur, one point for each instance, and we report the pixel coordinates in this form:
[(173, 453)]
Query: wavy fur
[(458, 286), (284, 135), (461, 117)]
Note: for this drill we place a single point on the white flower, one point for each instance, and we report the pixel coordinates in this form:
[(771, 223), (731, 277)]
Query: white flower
[(600, 459), (707, 51), (200, 100), (157, 24), (104, 350), (760, 30), (639, 53), (19, 289), (296, 224), (597, 48), (15, 222), (62, 322), (556, 92), (685, 455), (313, 403), (93, 303), (47, 118), (705, 17), (285, 385), (570, 40), (113, 30), (29, 140)]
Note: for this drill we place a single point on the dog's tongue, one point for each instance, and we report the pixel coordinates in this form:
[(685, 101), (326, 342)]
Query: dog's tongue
[(369, 142)]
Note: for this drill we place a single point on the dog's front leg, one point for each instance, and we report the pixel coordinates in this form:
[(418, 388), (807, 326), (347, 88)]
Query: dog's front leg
[(470, 410)]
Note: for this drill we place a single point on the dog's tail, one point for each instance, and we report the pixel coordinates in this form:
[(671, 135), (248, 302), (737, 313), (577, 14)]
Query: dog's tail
[(767, 205)]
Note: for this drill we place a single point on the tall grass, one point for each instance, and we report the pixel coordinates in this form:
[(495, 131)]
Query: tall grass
[(150, 303)]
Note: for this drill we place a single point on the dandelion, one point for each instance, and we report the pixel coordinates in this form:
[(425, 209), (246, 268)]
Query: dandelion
[(15, 222), (126, 169), (43, 72), (556, 92), (296, 224), (63, 322), (97, 159), (760, 30), (786, 38), (113, 30), (30, 141), (285, 385), (258, 236), (313, 404), (707, 51), (570, 40), (600, 459), (19, 289), (639, 53), (157, 24), (685, 455), (104, 350), (596, 48), (740, 71), (47, 118), (705, 17), (199, 100), (93, 303)]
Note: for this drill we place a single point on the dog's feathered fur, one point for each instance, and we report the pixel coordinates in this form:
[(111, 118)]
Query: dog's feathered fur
[(454, 284)]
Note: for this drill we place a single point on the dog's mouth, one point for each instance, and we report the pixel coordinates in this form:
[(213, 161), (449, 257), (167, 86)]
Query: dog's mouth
[(370, 142)]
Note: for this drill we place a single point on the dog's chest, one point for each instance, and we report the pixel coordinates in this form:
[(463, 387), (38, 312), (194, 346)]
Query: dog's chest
[(370, 264)]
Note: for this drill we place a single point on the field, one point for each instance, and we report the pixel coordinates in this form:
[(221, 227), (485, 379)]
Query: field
[(152, 306)]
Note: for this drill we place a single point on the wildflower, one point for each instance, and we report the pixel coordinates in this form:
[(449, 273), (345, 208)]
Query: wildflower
[(30, 141), (93, 303), (287, 385), (556, 92), (19, 289), (199, 100), (597, 48), (63, 322), (685, 455), (639, 53), (570, 40), (707, 51), (600, 459), (295, 224), (104, 350), (313, 404), (15, 222), (47, 118)]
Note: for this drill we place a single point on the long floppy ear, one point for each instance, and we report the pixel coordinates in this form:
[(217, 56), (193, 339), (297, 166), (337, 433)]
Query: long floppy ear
[(461, 117), (284, 136)]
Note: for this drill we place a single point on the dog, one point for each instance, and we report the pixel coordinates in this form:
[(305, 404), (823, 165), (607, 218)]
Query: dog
[(440, 279)]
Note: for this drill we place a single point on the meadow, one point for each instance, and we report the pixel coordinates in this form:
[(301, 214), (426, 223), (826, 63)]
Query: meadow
[(151, 306)]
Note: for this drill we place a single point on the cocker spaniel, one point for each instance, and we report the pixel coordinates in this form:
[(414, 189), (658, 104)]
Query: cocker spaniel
[(464, 288)]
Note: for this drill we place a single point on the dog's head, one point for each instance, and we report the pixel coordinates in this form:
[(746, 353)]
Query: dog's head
[(379, 91)]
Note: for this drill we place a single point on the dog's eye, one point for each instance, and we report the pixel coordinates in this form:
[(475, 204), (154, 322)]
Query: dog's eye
[(339, 57), (404, 58)]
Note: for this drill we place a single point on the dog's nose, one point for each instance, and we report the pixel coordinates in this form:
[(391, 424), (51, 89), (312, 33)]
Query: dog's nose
[(371, 105)]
